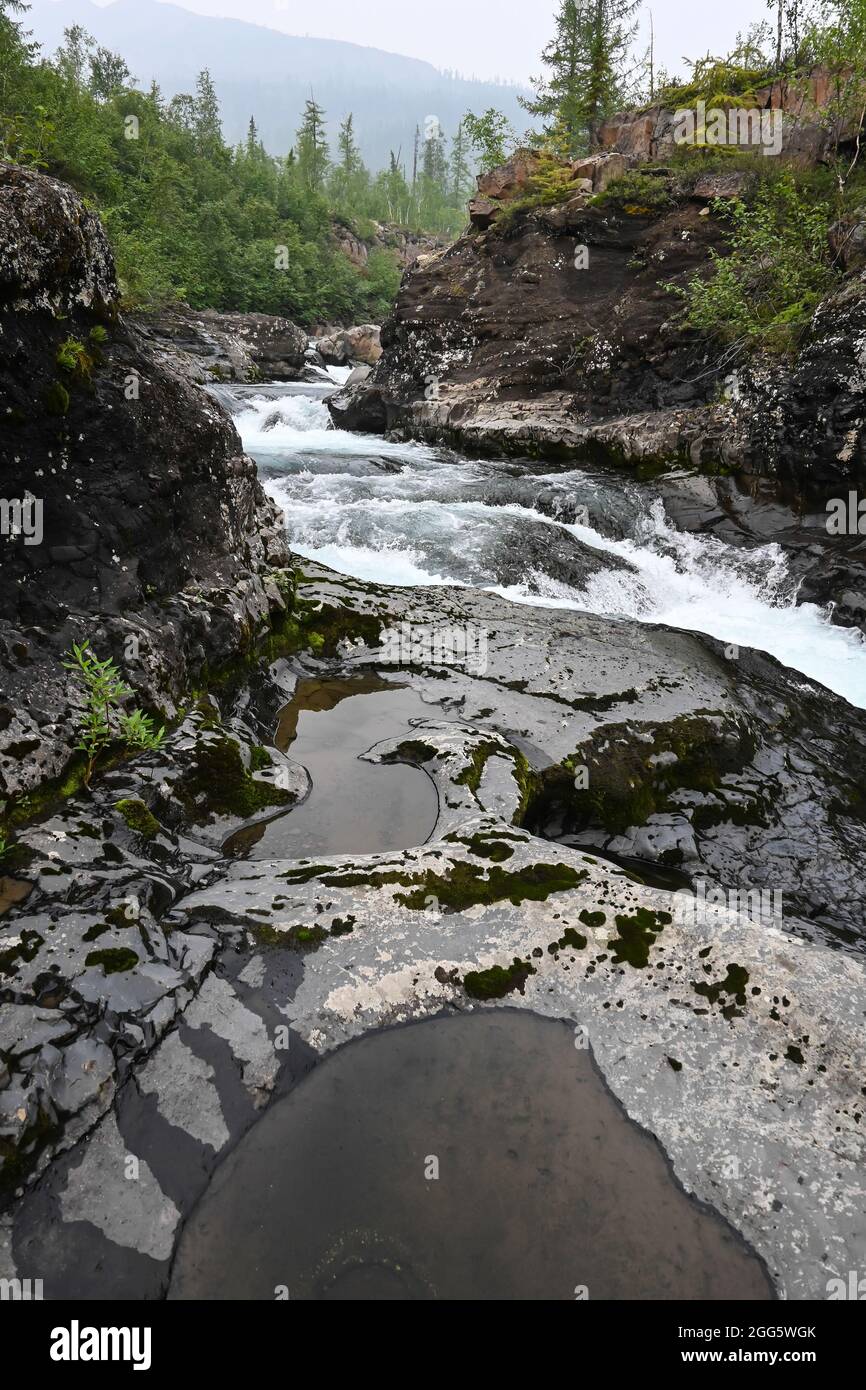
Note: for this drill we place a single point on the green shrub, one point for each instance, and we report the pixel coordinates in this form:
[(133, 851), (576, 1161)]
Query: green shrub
[(779, 267)]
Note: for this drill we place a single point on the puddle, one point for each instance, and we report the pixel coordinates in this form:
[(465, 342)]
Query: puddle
[(544, 1184), (13, 891), (354, 807)]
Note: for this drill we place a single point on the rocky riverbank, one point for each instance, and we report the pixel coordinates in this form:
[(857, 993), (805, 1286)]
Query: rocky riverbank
[(156, 997), (156, 537), (551, 330), (650, 834)]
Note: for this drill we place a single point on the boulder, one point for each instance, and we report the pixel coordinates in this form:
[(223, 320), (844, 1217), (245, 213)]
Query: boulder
[(483, 213), (154, 535), (206, 346), (711, 186), (350, 345), (510, 180), (600, 169), (848, 243)]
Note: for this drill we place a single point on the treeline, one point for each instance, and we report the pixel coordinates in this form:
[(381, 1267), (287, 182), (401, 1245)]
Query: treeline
[(191, 218)]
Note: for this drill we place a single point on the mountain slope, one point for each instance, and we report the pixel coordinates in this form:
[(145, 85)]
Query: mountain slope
[(269, 74)]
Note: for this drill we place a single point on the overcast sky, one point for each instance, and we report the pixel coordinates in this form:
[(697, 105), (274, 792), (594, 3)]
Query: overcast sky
[(483, 38)]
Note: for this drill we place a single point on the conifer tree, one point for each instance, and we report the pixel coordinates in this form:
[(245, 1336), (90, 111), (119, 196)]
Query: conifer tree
[(586, 71), (312, 147)]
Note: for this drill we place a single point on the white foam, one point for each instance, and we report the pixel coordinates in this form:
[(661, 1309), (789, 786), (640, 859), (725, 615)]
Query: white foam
[(389, 529)]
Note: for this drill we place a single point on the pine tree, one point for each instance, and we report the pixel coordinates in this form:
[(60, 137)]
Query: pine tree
[(435, 162), (585, 79), (312, 147)]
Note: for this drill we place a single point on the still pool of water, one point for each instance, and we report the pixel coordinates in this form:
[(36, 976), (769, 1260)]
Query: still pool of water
[(354, 807), (544, 1185)]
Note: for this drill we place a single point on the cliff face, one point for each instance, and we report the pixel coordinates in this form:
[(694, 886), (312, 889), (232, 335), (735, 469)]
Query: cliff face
[(152, 525), (811, 131), (555, 330)]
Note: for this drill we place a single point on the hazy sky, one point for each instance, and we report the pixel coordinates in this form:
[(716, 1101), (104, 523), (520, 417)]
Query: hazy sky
[(485, 38)]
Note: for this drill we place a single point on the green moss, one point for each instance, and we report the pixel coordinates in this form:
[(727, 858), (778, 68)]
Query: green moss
[(635, 769), (138, 817), (498, 981), (637, 934), (260, 758), (305, 873), (56, 398), (570, 940), (471, 775), (114, 959), (592, 919), (19, 1156), (636, 195), (467, 885), (486, 846), (342, 926), (218, 777), (24, 950), (412, 750), (120, 917), (734, 984)]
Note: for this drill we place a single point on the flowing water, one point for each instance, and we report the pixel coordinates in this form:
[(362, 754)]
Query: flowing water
[(409, 514)]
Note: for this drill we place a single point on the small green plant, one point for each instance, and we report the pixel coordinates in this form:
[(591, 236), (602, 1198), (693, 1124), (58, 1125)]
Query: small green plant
[(4, 847), (102, 720), (77, 359), (636, 194)]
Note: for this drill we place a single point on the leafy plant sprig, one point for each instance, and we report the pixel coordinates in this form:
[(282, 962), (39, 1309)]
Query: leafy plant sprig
[(102, 720)]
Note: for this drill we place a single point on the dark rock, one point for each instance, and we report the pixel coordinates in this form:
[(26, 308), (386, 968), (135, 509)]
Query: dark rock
[(206, 346), (155, 526), (483, 212)]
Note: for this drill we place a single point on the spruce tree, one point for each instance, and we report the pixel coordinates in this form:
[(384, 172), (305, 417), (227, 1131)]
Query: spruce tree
[(586, 72), (312, 147), (206, 114)]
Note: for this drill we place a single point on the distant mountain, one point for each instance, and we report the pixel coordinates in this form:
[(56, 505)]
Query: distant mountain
[(268, 74)]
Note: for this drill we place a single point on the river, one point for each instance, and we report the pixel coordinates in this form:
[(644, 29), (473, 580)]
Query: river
[(410, 514)]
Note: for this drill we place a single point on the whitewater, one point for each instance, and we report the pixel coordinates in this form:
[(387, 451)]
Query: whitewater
[(410, 514)]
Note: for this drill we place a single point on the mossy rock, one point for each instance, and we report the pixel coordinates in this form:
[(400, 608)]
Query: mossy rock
[(468, 885), (114, 959), (138, 817), (499, 980), (218, 784)]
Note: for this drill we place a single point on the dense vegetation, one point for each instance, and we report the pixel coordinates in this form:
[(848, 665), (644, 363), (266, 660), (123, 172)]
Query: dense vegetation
[(192, 219), (781, 260)]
